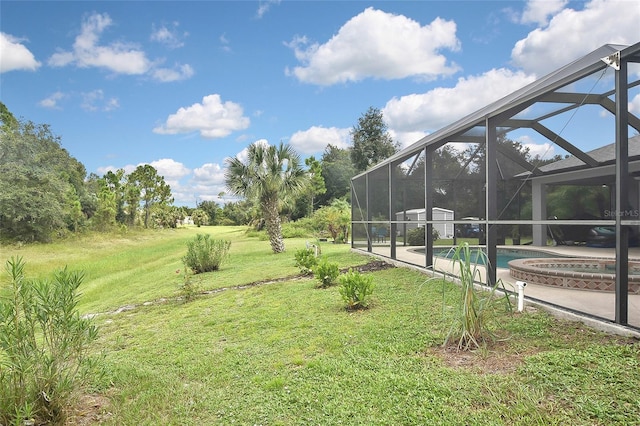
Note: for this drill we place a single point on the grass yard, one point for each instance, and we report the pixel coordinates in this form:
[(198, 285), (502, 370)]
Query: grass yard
[(287, 353)]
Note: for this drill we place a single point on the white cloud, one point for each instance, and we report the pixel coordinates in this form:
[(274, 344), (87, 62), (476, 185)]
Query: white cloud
[(15, 56), (316, 139), (128, 169), (171, 170), (170, 37), (208, 182), (179, 72), (51, 102), (377, 44), (543, 150), (209, 174), (118, 57), (634, 105), (406, 138), (243, 155), (96, 101), (224, 43), (441, 106), (264, 6), (538, 11), (212, 118), (573, 33)]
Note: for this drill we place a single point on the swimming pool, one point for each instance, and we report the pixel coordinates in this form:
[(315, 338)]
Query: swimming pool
[(503, 257)]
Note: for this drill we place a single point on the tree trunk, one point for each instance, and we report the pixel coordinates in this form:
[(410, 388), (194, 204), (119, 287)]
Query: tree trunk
[(274, 228)]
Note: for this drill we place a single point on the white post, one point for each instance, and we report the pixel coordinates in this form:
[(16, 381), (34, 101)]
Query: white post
[(521, 285)]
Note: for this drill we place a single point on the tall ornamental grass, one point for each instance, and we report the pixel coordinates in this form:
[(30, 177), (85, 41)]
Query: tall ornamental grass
[(478, 305), (44, 344)]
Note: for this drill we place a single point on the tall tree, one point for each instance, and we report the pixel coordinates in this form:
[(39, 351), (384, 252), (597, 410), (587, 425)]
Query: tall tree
[(372, 142), (105, 215), (117, 182), (316, 186), (212, 210), (337, 171), (238, 212), (200, 217), (335, 219), (152, 189), (7, 119), (36, 175), (270, 175), (74, 216)]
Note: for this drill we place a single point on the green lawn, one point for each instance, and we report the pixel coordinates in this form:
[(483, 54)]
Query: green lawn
[(288, 353)]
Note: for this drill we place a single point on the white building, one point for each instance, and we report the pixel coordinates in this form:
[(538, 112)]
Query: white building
[(417, 217)]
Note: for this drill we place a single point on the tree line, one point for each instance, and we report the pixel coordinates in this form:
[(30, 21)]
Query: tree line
[(45, 193)]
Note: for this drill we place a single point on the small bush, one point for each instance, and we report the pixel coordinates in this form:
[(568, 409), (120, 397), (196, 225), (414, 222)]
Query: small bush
[(306, 260), (205, 254), (415, 237), (326, 273), (188, 289), (355, 289), (44, 342), (301, 228)]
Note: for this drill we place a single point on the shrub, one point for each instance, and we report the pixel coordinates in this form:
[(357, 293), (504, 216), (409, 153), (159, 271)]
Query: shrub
[(477, 308), (306, 260), (355, 288), (43, 347), (301, 228), (326, 273), (205, 254), (415, 237), (188, 289)]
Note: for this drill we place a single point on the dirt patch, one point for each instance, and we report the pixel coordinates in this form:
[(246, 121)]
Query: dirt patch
[(373, 266), (495, 359), (89, 410)]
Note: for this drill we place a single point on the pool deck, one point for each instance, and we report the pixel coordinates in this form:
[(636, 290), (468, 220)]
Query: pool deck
[(594, 303)]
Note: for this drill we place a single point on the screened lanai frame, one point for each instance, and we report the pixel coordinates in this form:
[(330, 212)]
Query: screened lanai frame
[(381, 214)]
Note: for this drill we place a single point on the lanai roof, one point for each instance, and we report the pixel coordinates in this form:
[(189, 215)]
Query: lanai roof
[(469, 128)]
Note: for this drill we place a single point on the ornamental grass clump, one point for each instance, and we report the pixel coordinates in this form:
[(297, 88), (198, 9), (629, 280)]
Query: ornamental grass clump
[(478, 306), (355, 289), (326, 273), (44, 343), (205, 254)]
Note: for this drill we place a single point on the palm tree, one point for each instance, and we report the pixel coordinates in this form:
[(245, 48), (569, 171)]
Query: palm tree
[(271, 176)]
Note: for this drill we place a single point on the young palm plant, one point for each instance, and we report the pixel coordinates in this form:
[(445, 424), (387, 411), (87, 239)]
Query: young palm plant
[(271, 176)]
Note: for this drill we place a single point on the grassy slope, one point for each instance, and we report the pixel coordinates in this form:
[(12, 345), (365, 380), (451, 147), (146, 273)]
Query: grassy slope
[(287, 353), (142, 266)]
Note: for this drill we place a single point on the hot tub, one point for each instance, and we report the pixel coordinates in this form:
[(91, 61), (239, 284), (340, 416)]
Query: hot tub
[(575, 273)]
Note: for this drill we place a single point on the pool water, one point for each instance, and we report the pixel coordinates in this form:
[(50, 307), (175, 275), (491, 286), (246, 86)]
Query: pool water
[(504, 256)]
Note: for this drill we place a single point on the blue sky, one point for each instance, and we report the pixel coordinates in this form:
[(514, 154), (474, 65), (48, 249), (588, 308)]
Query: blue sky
[(184, 85)]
